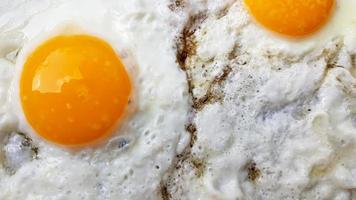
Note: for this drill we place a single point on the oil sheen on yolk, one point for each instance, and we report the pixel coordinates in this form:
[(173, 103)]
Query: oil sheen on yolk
[(295, 18), (74, 89)]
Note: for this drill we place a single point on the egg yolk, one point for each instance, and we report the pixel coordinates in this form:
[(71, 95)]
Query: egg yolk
[(293, 18), (74, 89)]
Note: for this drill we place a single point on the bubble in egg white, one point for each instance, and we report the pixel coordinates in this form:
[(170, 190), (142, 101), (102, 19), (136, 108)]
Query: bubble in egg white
[(17, 151)]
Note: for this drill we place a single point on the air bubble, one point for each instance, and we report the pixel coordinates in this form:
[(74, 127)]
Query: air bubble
[(120, 143), (146, 133), (18, 151)]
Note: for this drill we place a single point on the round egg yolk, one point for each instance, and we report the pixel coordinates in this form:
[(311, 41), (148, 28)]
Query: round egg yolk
[(293, 18), (74, 89)]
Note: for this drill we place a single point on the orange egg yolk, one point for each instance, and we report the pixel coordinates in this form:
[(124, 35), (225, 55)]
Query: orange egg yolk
[(74, 89), (295, 18)]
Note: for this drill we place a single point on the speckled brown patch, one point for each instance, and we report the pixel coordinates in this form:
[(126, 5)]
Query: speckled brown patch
[(184, 157), (253, 173), (331, 55), (223, 11), (192, 129), (199, 166), (213, 95), (186, 44), (164, 192), (177, 4), (235, 52), (353, 60)]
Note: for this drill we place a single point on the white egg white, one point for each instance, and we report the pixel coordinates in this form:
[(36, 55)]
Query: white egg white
[(131, 163)]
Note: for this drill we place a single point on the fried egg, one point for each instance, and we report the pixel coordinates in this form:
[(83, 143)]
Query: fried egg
[(205, 99), (273, 88), (97, 105)]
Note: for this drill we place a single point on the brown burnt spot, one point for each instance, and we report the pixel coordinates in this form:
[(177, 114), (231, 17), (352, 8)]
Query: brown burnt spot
[(220, 79), (186, 48), (234, 53), (192, 129), (330, 65), (165, 195), (186, 45), (353, 60), (199, 166), (182, 160), (253, 173), (209, 98), (331, 54), (212, 96), (223, 11), (177, 4), (178, 167)]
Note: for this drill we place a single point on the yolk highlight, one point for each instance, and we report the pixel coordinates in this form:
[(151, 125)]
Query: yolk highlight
[(295, 18), (74, 89)]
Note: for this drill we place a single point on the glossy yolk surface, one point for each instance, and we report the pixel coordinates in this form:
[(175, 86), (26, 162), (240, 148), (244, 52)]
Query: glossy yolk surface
[(293, 18), (74, 89)]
